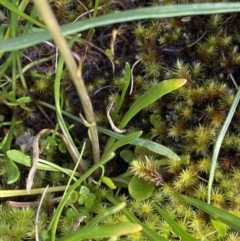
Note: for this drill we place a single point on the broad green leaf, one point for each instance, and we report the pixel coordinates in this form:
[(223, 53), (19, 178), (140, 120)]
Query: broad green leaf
[(179, 231), (119, 17), (224, 216), (140, 189), (103, 231), (150, 96)]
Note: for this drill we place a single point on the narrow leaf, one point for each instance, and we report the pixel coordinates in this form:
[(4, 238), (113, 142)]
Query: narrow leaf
[(174, 225), (11, 7), (119, 17), (125, 140), (217, 213), (219, 141), (151, 145), (21, 158), (150, 96), (106, 213), (103, 231)]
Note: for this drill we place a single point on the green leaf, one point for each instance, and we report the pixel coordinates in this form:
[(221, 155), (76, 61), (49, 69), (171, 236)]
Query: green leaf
[(109, 53), (24, 99), (21, 158), (125, 140), (219, 141), (174, 225), (127, 155), (119, 17), (13, 173), (44, 236), (107, 181), (151, 145), (73, 198), (127, 78), (220, 227), (11, 7), (82, 199), (84, 190), (154, 119), (71, 213), (103, 231), (231, 220), (106, 213), (92, 196), (150, 96), (62, 148), (89, 203), (143, 151), (51, 141), (139, 189)]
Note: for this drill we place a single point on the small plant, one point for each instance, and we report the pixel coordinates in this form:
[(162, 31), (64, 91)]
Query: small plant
[(127, 181)]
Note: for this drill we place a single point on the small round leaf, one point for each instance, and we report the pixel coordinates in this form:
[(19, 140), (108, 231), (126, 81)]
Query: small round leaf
[(139, 189)]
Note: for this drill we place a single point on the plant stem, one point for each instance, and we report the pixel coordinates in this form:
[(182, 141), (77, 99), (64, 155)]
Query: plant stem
[(74, 71)]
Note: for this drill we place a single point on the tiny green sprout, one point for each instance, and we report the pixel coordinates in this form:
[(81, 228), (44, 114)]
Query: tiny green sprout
[(108, 182), (109, 53)]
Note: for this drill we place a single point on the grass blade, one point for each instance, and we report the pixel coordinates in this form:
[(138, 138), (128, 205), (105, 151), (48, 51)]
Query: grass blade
[(119, 17), (217, 213), (219, 142), (174, 225), (103, 231)]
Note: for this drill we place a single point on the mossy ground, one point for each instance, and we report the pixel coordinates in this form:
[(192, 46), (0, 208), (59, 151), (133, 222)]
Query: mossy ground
[(202, 49)]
